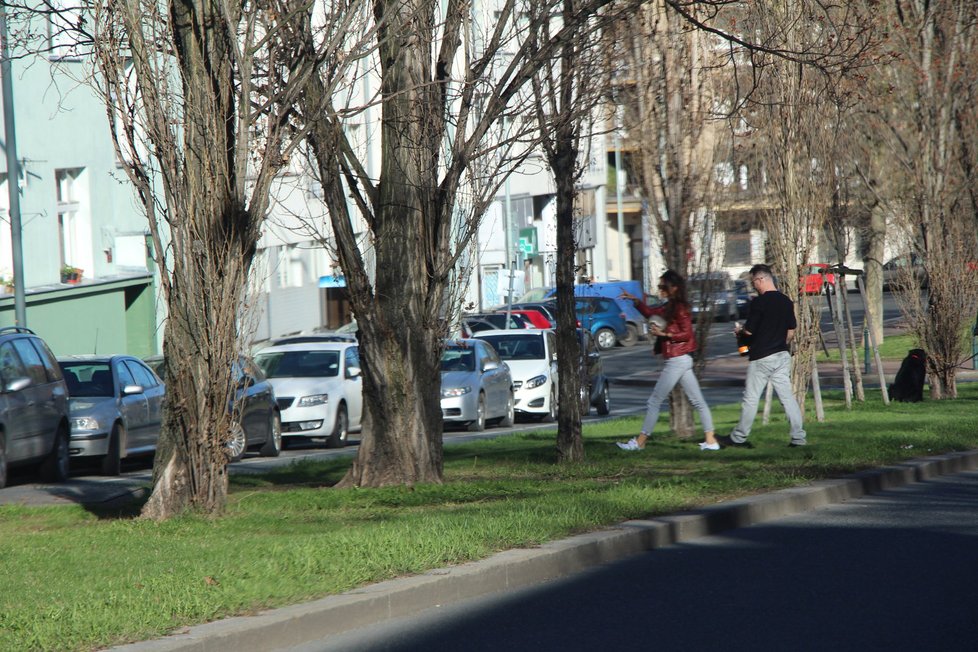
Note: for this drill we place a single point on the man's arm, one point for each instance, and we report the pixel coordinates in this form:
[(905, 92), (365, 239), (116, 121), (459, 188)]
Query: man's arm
[(790, 335)]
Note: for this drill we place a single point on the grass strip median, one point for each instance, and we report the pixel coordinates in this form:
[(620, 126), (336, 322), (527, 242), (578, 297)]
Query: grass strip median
[(77, 579)]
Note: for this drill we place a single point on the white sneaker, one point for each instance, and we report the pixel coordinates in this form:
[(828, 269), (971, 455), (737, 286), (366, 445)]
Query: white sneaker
[(630, 445), (709, 447)]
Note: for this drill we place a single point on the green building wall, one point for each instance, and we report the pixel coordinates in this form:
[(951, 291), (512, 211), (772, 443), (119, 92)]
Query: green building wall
[(101, 317)]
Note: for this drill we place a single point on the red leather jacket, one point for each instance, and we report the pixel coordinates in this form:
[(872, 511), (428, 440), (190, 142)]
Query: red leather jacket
[(680, 339)]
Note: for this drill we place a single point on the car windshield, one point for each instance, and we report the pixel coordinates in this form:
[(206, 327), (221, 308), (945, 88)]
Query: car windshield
[(88, 378), (456, 358), (518, 347), (299, 364)]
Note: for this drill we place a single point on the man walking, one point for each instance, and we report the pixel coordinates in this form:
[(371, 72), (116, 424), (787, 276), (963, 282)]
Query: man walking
[(770, 326)]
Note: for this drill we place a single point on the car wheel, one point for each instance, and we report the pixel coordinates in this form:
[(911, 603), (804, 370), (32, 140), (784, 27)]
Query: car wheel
[(3, 462), (341, 427), (585, 399), (235, 448), (273, 446), (480, 415), (54, 468), (631, 336), (551, 414), (507, 421), (112, 460), (606, 338), (604, 403)]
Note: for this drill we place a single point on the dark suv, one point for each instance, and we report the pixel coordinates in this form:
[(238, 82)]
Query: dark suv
[(33, 406)]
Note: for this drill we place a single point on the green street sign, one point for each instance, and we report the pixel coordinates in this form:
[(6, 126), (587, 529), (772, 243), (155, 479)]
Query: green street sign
[(528, 241)]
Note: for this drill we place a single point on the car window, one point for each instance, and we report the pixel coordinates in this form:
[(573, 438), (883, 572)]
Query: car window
[(85, 378), (352, 358), (125, 376), (607, 305), (142, 374), (47, 358), (299, 364), (551, 343), (518, 346), (490, 354), (32, 361), (458, 358), (10, 365)]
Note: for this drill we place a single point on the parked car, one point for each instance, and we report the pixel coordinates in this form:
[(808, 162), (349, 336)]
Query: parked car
[(115, 406), (531, 356), (897, 272), (33, 406), (476, 386), (318, 389), (547, 309), (257, 421), (814, 279), (602, 317), (314, 337), (595, 386), (742, 297), (635, 324), (712, 292), (498, 319), (535, 317)]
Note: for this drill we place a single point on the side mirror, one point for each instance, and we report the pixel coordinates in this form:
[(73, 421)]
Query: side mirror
[(129, 390), (490, 365), (353, 372), (17, 384)]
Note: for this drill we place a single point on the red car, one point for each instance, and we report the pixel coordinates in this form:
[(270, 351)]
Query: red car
[(814, 278)]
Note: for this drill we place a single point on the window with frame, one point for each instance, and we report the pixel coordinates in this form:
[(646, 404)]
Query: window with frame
[(69, 208), (64, 30)]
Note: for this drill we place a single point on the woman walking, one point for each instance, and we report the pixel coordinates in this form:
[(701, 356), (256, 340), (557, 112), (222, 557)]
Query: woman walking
[(674, 337)]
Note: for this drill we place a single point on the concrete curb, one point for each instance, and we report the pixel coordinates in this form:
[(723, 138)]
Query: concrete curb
[(300, 624)]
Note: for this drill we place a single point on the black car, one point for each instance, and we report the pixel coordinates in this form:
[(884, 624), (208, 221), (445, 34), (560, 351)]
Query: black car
[(595, 387), (497, 320), (34, 425), (258, 421)]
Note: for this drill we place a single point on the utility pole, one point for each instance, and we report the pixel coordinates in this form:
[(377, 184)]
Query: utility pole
[(13, 173)]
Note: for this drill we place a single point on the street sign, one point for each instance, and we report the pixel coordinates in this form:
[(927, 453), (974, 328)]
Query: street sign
[(528, 241)]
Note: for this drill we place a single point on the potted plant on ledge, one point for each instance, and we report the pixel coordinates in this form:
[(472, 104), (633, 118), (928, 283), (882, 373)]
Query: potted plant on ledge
[(70, 274), (6, 283)]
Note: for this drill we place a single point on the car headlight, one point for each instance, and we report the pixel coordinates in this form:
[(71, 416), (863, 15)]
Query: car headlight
[(84, 423), (455, 391), (536, 381), (315, 399)]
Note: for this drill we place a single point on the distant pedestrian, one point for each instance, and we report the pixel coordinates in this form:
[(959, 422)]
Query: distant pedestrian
[(672, 326), (770, 328)]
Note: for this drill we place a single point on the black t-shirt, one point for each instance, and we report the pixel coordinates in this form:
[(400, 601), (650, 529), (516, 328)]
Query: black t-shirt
[(772, 315)]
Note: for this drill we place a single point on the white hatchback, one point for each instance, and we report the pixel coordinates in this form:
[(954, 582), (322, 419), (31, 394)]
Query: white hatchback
[(318, 389), (531, 355)]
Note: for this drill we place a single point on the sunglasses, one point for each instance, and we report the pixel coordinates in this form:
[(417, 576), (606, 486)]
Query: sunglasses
[(663, 287)]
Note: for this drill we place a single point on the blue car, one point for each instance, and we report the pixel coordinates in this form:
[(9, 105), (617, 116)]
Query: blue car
[(635, 324), (602, 317)]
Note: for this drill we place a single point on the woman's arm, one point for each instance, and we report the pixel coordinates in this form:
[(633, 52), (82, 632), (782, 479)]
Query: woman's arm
[(680, 329)]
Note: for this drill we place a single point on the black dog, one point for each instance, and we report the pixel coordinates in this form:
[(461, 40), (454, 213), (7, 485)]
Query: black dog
[(908, 386)]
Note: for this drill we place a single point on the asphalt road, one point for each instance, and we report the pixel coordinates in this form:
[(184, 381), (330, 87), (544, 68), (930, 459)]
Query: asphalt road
[(894, 571)]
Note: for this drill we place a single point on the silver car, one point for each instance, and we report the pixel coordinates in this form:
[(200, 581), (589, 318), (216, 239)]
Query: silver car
[(476, 385), (115, 406)]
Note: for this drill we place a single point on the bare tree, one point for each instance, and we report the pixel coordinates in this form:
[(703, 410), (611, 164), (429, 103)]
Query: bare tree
[(926, 117), (453, 87), (564, 95), (200, 97)]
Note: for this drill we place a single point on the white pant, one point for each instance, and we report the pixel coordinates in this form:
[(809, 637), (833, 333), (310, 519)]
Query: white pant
[(677, 370), (775, 368)]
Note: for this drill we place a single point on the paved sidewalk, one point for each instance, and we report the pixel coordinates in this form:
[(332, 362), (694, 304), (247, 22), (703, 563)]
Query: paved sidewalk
[(297, 625)]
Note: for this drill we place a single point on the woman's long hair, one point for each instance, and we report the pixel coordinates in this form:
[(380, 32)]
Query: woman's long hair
[(674, 280)]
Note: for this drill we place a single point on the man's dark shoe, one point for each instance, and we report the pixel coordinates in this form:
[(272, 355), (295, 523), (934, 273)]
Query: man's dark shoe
[(726, 442), (797, 445)]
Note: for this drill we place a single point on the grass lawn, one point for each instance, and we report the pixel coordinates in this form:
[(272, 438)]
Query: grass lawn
[(77, 579)]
